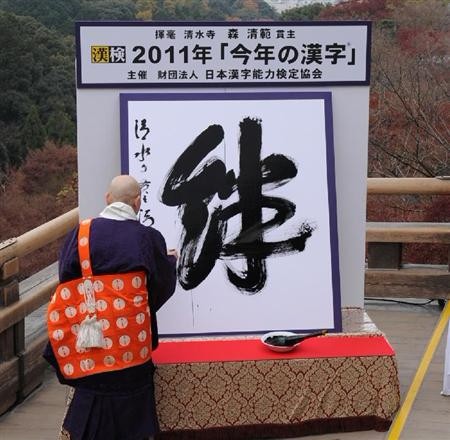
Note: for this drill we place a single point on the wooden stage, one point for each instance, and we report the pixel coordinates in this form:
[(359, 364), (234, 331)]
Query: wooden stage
[(408, 329)]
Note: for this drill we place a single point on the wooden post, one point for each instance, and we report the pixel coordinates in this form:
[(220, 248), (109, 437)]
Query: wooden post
[(9, 294), (12, 340), (384, 255)]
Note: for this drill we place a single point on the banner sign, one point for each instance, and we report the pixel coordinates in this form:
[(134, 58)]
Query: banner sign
[(248, 198), (153, 54)]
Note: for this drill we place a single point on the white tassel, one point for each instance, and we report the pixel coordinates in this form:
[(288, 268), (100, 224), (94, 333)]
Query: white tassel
[(90, 334)]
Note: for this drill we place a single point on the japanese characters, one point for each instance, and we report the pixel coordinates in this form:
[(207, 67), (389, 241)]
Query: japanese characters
[(194, 191)]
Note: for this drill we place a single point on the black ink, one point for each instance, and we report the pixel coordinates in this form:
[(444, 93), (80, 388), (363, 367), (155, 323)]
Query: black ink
[(143, 154), (145, 217), (142, 128), (192, 184)]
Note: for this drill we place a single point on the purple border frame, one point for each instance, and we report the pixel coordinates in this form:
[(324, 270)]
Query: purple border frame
[(125, 98), (80, 84)]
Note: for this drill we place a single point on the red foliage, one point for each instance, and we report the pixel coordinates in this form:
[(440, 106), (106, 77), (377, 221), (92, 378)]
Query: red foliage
[(418, 40), (60, 164), (358, 9), (44, 187), (374, 100)]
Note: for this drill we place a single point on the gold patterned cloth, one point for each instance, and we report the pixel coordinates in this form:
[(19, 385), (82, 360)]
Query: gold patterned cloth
[(209, 396)]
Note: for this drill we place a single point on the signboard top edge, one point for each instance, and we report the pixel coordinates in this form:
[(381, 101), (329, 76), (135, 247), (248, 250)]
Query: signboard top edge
[(138, 23)]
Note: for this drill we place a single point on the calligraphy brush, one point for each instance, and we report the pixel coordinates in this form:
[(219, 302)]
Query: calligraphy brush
[(289, 341)]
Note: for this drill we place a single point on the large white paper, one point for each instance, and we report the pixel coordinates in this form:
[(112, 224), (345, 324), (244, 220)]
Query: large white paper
[(279, 286)]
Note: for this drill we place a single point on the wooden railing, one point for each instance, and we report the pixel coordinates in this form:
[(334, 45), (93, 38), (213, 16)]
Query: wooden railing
[(386, 274), (21, 363)]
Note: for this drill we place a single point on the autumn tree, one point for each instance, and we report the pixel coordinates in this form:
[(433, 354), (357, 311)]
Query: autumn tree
[(44, 187), (409, 106), (358, 10), (409, 110), (409, 114)]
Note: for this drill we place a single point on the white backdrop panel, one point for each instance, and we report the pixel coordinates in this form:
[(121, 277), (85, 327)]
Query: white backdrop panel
[(298, 289)]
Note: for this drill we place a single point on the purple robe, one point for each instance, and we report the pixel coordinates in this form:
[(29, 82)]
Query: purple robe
[(118, 405)]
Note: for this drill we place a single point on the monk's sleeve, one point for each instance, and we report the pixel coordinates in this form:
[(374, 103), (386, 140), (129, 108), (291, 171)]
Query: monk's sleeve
[(163, 280)]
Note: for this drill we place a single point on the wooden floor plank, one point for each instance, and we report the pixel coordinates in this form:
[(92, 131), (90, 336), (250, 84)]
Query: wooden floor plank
[(408, 329), (39, 416)]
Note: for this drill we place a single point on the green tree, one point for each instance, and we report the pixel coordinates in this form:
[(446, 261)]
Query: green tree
[(14, 107), (33, 132), (59, 15), (253, 9), (36, 72), (145, 9), (302, 13), (204, 10), (106, 10), (4, 162), (54, 14), (60, 128)]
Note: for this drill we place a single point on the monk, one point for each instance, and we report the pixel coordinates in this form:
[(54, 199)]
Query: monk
[(115, 274)]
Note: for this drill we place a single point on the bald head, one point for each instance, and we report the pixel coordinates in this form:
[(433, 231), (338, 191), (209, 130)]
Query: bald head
[(124, 189)]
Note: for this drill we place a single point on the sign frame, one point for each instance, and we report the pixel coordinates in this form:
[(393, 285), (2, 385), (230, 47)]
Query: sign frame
[(82, 83)]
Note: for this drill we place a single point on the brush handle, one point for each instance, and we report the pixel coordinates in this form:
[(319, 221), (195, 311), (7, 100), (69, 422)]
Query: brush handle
[(288, 341)]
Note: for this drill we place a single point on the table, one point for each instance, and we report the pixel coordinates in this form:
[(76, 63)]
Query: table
[(235, 388)]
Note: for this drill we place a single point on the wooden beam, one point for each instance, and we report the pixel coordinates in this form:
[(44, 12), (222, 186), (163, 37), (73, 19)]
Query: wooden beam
[(9, 384), (21, 375), (39, 237), (27, 303), (408, 282), (34, 365), (408, 232), (408, 185)]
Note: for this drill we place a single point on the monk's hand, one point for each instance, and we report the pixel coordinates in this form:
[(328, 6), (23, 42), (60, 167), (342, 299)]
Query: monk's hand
[(173, 252)]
